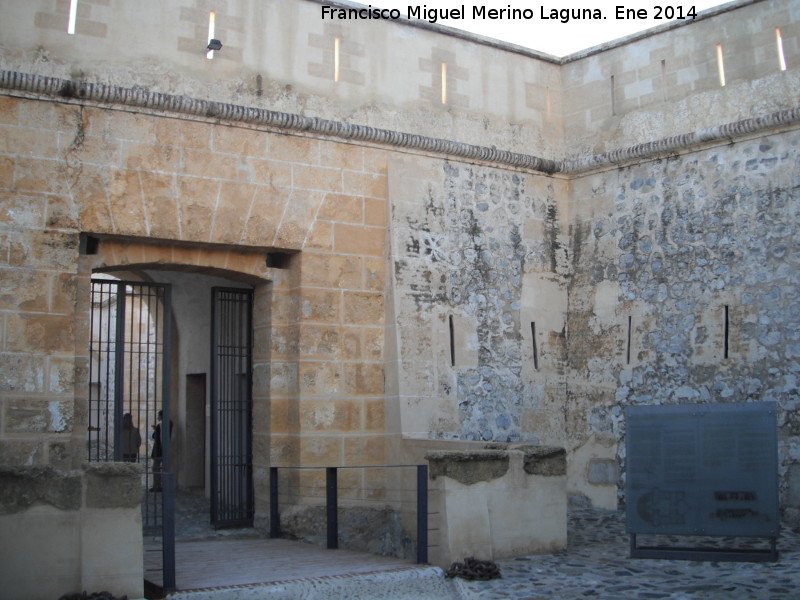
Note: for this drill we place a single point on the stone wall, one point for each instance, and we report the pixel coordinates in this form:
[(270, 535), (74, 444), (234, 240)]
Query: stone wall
[(280, 55), (199, 189), (478, 259), (667, 84), (685, 289), (407, 287), (390, 77), (90, 522)]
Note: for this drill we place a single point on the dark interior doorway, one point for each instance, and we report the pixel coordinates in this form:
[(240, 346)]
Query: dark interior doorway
[(194, 463), (232, 501)]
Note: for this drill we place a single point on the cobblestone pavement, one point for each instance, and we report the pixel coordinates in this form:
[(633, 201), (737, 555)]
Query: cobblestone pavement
[(596, 566)]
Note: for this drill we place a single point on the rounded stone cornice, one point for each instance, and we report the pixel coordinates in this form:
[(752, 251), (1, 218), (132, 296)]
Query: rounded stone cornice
[(137, 97), (111, 94), (684, 141)]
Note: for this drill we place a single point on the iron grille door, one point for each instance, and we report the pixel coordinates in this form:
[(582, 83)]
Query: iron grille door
[(231, 408), (129, 386)]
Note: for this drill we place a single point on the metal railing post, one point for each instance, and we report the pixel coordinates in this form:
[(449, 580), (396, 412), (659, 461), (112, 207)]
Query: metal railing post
[(274, 515), (331, 497), (422, 514), (168, 532)]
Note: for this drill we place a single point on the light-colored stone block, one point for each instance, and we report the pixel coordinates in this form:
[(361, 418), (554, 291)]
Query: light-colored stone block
[(499, 503)]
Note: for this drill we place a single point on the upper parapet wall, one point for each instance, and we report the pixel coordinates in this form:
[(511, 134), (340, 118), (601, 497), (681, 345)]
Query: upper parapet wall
[(743, 61), (283, 56)]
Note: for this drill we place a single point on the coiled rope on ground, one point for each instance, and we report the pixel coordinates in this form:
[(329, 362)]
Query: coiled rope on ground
[(474, 569)]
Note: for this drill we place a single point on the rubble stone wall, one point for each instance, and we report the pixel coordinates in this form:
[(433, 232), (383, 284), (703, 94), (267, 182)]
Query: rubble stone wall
[(684, 289), (479, 259)]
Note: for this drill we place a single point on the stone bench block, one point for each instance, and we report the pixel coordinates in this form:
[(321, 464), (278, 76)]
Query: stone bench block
[(498, 502)]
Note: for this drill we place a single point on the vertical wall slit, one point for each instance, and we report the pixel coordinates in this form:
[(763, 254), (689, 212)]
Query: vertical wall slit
[(73, 16), (548, 104), (720, 66), (535, 347), (779, 46), (726, 333), (212, 27), (444, 83), (628, 342), (664, 79), (452, 342), (613, 98), (336, 42)]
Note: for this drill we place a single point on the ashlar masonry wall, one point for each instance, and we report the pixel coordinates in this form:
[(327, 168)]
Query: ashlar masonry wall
[(669, 83), (216, 199), (282, 56)]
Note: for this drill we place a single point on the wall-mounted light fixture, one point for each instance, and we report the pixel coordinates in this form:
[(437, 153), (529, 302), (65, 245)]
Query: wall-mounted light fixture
[(213, 43)]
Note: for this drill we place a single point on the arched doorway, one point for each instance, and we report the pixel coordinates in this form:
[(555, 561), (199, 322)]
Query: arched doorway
[(129, 393), (194, 342)]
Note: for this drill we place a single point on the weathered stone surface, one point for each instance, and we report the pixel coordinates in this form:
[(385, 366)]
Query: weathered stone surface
[(356, 239), (60, 455), (544, 460), (603, 472), (468, 467), (29, 416), (40, 333), (700, 248), (463, 256), (23, 487), (23, 452), (793, 477), (113, 485), (25, 290), (22, 373), (363, 308), (377, 531)]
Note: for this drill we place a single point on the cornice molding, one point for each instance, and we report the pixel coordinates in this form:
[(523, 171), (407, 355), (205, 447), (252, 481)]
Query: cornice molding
[(111, 94), (685, 141)]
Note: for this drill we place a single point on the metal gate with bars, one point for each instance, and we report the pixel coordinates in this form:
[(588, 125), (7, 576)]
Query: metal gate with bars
[(232, 502), (129, 390)]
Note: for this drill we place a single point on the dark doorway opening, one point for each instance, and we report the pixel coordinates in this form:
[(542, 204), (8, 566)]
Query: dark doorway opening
[(232, 501), (194, 465)]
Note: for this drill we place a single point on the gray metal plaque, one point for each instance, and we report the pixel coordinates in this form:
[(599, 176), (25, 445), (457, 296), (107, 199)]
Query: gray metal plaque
[(702, 469)]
